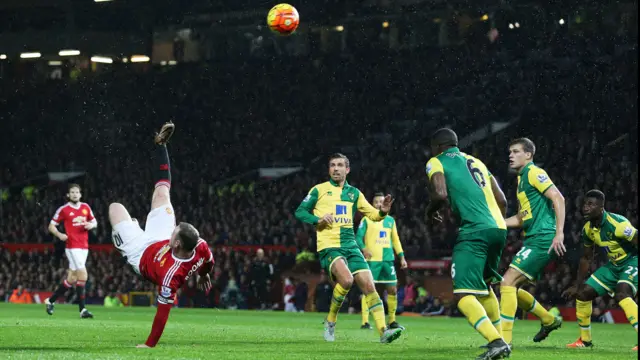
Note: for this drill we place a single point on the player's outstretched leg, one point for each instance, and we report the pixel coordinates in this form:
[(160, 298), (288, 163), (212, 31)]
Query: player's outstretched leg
[(550, 323), (376, 308), (344, 281), (162, 167)]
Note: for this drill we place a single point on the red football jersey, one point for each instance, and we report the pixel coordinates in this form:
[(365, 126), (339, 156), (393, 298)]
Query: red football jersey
[(74, 218), (159, 266)]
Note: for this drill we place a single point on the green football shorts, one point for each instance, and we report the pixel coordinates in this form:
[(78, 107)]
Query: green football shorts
[(476, 257), (534, 256), (607, 277), (353, 257), (383, 272)]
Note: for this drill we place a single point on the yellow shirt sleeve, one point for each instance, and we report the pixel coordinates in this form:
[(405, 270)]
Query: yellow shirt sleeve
[(366, 209), (434, 166), (395, 240), (586, 240), (624, 230), (539, 179)]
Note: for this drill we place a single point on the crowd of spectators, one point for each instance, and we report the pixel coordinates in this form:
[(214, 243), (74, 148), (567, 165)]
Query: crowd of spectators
[(574, 98)]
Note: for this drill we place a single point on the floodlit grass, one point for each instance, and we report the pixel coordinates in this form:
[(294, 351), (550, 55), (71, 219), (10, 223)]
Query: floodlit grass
[(27, 332)]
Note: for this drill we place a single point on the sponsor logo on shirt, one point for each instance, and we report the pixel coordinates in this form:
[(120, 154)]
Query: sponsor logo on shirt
[(194, 268)]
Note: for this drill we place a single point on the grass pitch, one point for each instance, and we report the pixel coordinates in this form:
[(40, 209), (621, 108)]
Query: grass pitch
[(27, 332)]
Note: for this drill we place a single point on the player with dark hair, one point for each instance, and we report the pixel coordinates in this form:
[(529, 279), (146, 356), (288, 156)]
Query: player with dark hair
[(541, 214), (619, 277), (163, 253), (78, 220), (378, 240), (330, 207), (466, 184)]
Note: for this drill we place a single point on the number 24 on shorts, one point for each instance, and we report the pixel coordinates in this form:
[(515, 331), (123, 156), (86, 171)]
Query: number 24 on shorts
[(524, 253)]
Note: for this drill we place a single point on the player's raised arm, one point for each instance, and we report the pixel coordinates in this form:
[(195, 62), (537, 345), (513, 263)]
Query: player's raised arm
[(373, 214), (304, 212)]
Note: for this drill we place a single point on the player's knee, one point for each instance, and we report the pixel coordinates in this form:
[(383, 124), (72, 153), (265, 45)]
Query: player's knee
[(81, 274), (457, 298), (72, 277), (346, 282), (392, 290), (586, 293), (621, 295), (510, 278), (117, 213), (160, 197)]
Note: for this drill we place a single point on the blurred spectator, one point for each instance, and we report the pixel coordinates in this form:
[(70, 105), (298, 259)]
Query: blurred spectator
[(289, 293), (261, 272), (435, 309), (112, 300), (21, 296), (324, 292), (301, 294)]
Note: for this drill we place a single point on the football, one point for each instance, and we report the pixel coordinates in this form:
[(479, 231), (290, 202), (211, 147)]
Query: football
[(283, 19)]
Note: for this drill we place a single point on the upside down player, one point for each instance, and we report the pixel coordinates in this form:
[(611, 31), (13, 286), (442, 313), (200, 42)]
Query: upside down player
[(163, 253), (378, 240), (330, 207), (619, 277), (478, 202), (78, 219)]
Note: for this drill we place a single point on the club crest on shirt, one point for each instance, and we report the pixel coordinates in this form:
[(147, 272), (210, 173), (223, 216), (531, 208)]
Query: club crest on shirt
[(84, 212), (351, 196), (162, 262), (165, 292), (542, 178), (168, 210), (628, 231)]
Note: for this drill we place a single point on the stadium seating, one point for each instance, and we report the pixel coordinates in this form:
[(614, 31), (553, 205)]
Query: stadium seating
[(233, 118)]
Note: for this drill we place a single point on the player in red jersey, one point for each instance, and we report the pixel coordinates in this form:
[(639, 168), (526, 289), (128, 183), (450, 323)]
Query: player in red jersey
[(163, 253), (78, 219)]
